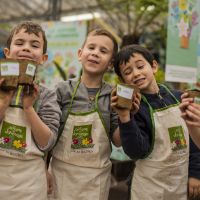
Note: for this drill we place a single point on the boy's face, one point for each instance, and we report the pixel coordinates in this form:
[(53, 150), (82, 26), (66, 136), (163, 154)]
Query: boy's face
[(96, 55), (26, 46), (139, 72)]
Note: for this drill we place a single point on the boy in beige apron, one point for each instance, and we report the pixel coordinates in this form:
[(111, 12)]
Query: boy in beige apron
[(25, 132), (156, 135), (81, 159)]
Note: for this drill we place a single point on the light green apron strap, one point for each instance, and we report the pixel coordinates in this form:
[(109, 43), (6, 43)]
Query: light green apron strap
[(73, 95), (166, 88), (153, 125), (19, 92), (61, 128)]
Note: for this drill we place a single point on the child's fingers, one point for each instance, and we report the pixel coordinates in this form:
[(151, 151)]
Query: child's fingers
[(183, 106), (136, 102), (114, 102), (190, 100), (1, 81), (135, 107), (191, 123), (114, 99), (114, 92), (193, 117), (194, 111), (196, 106), (184, 95), (185, 98), (184, 116), (35, 90), (136, 98), (138, 95)]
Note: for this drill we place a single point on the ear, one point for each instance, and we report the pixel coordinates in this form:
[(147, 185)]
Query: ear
[(6, 52), (110, 66), (155, 66), (79, 54), (44, 58)]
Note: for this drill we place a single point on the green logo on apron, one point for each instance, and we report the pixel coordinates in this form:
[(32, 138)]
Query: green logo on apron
[(82, 137), (13, 137), (177, 138)]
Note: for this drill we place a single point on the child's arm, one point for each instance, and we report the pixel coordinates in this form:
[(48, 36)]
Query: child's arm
[(43, 126), (116, 137), (194, 188), (124, 114), (191, 115), (5, 99), (135, 136)]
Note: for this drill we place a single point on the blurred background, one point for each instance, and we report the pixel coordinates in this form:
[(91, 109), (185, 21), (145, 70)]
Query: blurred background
[(130, 21), (169, 29)]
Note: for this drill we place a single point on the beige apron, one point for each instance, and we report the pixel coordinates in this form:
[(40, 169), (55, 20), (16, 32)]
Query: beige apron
[(163, 174), (81, 159), (22, 168)]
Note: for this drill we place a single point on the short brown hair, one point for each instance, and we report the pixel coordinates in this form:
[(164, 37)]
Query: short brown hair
[(100, 31), (30, 27)]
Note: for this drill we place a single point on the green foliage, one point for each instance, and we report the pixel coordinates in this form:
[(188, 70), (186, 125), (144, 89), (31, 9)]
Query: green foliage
[(134, 16), (160, 76)]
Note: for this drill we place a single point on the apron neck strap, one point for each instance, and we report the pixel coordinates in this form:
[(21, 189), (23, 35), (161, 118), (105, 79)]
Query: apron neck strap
[(167, 89), (145, 100), (74, 94)]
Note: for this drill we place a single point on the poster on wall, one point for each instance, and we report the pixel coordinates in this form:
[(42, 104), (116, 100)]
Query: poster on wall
[(182, 41), (64, 39)]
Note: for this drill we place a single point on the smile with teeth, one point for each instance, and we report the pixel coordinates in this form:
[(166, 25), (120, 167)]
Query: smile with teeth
[(139, 81)]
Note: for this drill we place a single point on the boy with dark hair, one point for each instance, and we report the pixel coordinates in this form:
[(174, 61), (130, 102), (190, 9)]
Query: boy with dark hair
[(156, 135)]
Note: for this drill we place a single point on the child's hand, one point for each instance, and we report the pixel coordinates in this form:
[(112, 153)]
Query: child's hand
[(190, 111), (49, 182), (124, 113), (192, 115), (29, 97), (5, 96), (136, 103), (193, 188), (120, 111)]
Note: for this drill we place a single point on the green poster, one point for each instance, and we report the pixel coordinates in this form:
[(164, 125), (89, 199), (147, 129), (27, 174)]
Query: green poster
[(182, 41)]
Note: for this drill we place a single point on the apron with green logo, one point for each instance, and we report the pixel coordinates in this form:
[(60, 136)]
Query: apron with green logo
[(163, 174), (22, 168), (81, 159)]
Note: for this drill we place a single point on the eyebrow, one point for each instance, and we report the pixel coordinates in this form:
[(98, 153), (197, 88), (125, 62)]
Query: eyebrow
[(137, 61), (103, 47), (35, 41), (125, 68)]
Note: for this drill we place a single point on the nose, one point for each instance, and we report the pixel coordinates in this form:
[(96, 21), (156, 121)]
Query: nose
[(136, 73), (26, 47), (95, 52)]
